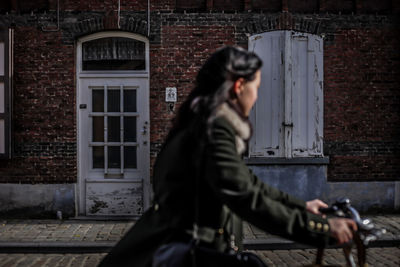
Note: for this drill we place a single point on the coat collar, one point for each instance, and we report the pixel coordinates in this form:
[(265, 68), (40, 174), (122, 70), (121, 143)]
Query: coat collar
[(240, 124)]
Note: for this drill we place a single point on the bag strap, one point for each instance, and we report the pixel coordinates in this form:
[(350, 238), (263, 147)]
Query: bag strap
[(207, 234), (197, 233)]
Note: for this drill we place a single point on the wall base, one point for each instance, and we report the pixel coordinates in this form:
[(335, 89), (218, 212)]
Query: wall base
[(310, 181), (37, 201), (303, 181)]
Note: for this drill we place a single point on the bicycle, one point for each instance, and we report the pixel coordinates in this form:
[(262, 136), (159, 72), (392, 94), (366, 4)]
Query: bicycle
[(366, 233)]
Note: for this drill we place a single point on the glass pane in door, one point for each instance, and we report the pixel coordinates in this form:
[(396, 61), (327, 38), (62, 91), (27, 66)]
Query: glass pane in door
[(2, 98), (130, 158), (113, 129), (129, 129), (98, 100), (114, 157), (2, 59), (2, 137), (130, 101), (113, 100), (98, 157), (98, 129)]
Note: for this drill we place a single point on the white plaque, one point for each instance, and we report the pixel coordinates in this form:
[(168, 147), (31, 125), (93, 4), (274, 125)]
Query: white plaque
[(170, 94)]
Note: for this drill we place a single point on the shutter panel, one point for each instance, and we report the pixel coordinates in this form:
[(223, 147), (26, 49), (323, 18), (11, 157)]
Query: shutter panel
[(267, 113), (317, 57), (307, 95), (5, 92)]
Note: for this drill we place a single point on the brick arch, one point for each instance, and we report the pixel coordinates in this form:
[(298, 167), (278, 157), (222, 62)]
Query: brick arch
[(106, 23), (285, 21)]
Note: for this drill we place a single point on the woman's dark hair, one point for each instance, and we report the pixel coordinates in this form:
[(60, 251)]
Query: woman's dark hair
[(213, 83)]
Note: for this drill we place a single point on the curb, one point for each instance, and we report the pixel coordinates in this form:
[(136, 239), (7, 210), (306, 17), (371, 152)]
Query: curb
[(56, 247), (104, 247)]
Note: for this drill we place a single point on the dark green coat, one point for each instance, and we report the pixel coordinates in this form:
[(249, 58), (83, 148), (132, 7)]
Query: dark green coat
[(228, 191)]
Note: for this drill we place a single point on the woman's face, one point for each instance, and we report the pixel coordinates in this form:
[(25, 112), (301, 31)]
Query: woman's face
[(247, 93)]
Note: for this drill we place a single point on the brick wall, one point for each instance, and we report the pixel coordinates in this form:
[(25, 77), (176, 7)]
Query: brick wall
[(361, 75), (99, 5), (175, 63), (294, 6), (362, 111), (44, 117)]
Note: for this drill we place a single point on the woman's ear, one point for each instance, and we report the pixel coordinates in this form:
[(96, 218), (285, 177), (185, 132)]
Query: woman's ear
[(238, 86)]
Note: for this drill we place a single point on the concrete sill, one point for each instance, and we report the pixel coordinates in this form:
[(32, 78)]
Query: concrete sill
[(285, 161)]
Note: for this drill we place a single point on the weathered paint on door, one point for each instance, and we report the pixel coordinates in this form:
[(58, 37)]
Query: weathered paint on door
[(288, 115), (307, 94), (113, 144), (267, 113), (113, 125)]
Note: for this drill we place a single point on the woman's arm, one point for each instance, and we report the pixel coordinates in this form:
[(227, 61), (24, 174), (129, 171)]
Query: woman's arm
[(247, 196)]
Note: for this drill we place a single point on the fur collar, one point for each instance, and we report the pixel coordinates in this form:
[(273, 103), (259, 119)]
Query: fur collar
[(240, 125)]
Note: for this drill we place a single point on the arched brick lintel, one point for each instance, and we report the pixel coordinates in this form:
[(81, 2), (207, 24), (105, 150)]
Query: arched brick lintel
[(285, 21), (98, 24)]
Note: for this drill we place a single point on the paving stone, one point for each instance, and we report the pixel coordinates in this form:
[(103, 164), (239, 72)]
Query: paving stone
[(16, 258), (78, 260), (54, 259), (100, 231), (65, 260), (6, 260), (27, 260), (376, 257), (42, 262)]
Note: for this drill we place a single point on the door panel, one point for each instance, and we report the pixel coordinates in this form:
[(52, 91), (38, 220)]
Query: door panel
[(267, 113), (113, 153), (113, 198)]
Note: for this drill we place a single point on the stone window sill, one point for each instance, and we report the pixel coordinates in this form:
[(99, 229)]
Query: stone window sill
[(285, 161)]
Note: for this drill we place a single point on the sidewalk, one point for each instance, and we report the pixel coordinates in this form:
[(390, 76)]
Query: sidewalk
[(84, 236), (256, 239)]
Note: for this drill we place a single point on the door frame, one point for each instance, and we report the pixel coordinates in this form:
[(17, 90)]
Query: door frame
[(80, 201)]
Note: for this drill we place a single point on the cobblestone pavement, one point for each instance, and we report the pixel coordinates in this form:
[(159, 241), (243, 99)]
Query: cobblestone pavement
[(376, 257), (100, 231), (50, 260), (76, 232), (64, 231)]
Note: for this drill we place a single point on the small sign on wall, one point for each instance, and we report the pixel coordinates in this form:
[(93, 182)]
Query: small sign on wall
[(170, 94)]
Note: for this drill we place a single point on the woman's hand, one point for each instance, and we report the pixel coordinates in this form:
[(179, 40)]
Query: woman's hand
[(313, 206), (342, 229)]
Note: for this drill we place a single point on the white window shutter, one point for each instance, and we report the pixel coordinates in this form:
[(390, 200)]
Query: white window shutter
[(307, 95), (288, 115), (267, 113)]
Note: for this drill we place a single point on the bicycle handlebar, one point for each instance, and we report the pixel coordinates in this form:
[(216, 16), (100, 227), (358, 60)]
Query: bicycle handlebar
[(366, 229), (367, 232)]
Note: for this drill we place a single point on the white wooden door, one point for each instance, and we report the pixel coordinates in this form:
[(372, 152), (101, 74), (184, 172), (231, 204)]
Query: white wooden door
[(113, 145)]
